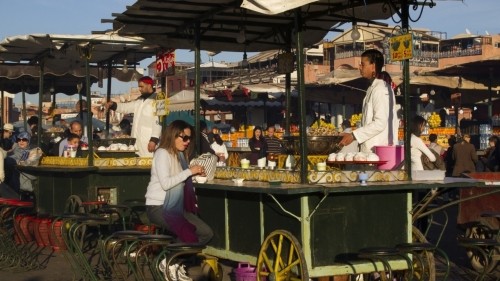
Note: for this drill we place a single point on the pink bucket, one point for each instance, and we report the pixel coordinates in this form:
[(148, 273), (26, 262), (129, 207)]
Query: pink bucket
[(245, 272), (393, 154)]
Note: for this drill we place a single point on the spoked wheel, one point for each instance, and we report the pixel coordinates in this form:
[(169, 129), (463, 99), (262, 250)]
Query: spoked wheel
[(477, 260), (424, 265), (281, 259)]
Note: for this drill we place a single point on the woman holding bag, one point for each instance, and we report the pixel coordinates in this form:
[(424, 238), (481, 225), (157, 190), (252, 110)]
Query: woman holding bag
[(170, 198)]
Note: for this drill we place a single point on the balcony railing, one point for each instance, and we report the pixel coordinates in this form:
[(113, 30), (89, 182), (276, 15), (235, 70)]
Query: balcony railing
[(461, 53)]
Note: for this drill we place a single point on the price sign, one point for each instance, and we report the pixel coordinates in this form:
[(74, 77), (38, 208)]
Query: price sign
[(401, 47)]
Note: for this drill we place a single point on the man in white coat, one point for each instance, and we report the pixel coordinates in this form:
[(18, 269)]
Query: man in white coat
[(146, 128), (379, 124)]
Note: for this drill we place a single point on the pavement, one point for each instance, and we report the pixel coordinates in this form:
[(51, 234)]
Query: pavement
[(54, 266), (57, 268)]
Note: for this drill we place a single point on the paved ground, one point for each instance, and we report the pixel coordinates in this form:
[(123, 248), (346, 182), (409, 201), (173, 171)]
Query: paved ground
[(59, 269), (56, 267)]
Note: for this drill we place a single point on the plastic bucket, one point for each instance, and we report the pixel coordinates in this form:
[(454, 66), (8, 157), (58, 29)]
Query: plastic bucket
[(393, 154), (245, 272)]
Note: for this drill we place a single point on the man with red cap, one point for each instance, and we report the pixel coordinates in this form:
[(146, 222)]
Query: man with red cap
[(146, 128)]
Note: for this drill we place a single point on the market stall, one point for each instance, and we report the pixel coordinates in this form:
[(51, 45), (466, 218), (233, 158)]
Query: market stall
[(327, 210)]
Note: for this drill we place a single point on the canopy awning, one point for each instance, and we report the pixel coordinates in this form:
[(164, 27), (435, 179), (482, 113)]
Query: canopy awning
[(226, 25), (183, 101), (17, 78), (483, 71)]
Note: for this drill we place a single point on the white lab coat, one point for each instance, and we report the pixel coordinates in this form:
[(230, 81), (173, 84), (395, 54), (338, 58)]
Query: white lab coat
[(379, 123), (145, 124)]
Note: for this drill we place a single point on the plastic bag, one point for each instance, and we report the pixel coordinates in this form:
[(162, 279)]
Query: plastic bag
[(34, 157)]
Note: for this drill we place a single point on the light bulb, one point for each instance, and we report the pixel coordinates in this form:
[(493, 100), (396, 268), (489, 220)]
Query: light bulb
[(355, 35), (125, 66), (432, 92), (52, 90), (241, 37)]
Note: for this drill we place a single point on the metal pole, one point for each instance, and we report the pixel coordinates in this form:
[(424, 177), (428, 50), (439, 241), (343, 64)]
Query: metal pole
[(89, 106), (40, 104), (2, 119), (288, 87), (197, 78), (490, 99), (24, 111), (405, 14), (302, 96), (108, 95)]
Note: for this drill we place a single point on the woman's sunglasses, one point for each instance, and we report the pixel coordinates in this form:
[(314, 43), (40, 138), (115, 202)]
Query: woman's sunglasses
[(185, 138), (26, 140)]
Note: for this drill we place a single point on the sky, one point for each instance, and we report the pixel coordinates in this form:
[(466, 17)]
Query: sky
[(82, 17)]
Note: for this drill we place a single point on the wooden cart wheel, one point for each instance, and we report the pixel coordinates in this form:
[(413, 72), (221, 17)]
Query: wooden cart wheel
[(281, 259), (427, 270), (477, 261)]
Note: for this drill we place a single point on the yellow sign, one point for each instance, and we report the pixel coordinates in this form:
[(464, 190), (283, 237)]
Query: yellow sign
[(401, 47), (160, 104)]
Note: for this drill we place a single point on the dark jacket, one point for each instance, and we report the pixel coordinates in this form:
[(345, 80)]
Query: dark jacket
[(465, 157)]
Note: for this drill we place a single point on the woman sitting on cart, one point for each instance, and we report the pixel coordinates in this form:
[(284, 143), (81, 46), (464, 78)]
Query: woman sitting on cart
[(170, 198)]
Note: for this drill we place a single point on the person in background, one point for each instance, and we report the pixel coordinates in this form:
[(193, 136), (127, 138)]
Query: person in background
[(426, 107), (205, 139), (219, 148), (33, 129), (448, 156), (435, 146), (346, 126), (123, 130), (5, 190), (81, 108), (273, 143), (353, 146), (488, 162), (7, 142), (74, 128), (465, 156), (418, 146), (257, 145), (147, 127), (379, 124), (20, 152)]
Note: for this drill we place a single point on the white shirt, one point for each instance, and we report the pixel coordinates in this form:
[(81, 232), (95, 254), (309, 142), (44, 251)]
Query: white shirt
[(417, 148), (218, 149), (379, 123), (146, 123)]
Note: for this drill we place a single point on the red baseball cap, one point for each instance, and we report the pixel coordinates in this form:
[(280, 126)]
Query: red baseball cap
[(147, 80)]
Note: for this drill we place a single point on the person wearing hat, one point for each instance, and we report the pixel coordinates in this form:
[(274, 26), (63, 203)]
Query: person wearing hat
[(7, 141), (19, 152), (147, 127), (426, 107)]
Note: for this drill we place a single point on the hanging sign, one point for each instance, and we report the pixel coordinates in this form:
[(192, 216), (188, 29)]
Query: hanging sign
[(401, 47), (160, 105), (165, 63)]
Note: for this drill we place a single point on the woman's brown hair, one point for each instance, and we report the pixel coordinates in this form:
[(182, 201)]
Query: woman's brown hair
[(170, 133)]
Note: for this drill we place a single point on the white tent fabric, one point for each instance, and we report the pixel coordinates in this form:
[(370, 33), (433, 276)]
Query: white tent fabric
[(273, 7), (184, 100)]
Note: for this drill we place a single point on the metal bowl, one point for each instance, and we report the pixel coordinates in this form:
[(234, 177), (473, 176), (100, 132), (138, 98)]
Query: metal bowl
[(318, 145)]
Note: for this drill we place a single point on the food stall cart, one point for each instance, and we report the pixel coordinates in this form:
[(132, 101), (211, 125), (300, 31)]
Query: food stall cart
[(321, 221)]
